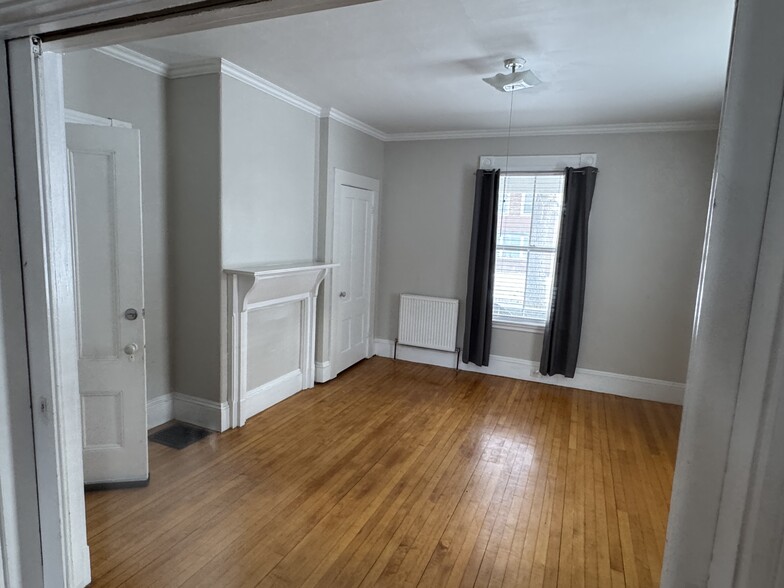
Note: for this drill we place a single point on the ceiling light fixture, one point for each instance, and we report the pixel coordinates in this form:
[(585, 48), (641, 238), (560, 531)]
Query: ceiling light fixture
[(517, 80)]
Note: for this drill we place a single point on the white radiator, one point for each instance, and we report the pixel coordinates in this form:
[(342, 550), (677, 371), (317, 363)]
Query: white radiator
[(428, 322)]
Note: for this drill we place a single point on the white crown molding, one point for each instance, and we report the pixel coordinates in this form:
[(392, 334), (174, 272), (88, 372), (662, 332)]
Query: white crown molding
[(657, 127), (222, 66), (194, 68), (232, 70), (243, 75), (135, 58), (354, 123)]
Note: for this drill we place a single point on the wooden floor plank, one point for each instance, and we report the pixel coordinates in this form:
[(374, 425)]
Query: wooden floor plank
[(400, 474), (496, 556)]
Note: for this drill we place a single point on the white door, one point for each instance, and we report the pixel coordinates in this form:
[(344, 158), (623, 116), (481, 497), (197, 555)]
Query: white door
[(353, 239), (105, 174)]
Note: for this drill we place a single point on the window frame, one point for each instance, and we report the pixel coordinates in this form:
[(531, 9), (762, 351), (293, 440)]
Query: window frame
[(523, 324), (531, 164)]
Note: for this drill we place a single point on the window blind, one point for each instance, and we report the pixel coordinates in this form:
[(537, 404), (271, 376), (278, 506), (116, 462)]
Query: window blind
[(529, 219)]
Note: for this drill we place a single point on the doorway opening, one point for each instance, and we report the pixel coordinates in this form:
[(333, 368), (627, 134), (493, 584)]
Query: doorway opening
[(204, 351)]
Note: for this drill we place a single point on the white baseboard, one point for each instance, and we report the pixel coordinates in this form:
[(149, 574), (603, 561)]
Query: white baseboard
[(160, 410), (266, 395), (203, 413), (323, 371), (521, 369), (188, 409)]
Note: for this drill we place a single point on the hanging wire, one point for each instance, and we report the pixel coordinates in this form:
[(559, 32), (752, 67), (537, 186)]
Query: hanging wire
[(509, 132), (504, 177), (506, 165)]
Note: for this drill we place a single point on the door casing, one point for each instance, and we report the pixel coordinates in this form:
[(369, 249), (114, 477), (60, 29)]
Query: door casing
[(337, 301), (324, 370), (37, 103)]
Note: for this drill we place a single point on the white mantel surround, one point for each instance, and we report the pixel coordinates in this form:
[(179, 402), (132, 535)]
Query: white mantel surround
[(272, 333)]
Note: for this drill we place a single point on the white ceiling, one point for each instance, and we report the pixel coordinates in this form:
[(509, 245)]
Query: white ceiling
[(416, 65)]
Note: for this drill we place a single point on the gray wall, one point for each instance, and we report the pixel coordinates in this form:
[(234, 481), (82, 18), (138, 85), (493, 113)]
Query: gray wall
[(193, 118), (99, 85), (646, 233), (354, 151), (269, 159), (347, 149)]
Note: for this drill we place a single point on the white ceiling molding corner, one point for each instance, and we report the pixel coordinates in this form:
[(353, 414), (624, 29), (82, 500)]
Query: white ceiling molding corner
[(352, 122), (195, 68), (218, 66), (135, 58), (225, 67), (247, 77), (656, 127)]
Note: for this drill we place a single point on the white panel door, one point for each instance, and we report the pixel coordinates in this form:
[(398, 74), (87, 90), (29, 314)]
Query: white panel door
[(354, 221), (105, 174)]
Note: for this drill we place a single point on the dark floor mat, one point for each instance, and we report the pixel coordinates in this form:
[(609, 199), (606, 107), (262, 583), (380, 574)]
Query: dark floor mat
[(179, 435)]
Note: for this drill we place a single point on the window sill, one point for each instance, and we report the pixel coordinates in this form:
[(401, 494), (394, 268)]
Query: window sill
[(538, 329)]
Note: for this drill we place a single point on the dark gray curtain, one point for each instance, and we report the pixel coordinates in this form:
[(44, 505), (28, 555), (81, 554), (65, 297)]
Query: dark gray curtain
[(481, 265), (562, 333)]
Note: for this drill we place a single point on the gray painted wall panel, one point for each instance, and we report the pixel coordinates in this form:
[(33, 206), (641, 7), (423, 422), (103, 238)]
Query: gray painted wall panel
[(354, 151), (193, 118), (646, 234), (269, 166)]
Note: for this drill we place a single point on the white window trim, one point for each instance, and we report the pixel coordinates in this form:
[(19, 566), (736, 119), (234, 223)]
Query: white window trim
[(536, 163), (532, 164)]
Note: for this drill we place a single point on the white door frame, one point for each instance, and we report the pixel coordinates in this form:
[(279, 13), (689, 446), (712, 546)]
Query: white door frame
[(733, 378), (50, 311), (324, 371), (19, 536)]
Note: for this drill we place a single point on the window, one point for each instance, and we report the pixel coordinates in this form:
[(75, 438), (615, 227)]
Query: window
[(529, 221)]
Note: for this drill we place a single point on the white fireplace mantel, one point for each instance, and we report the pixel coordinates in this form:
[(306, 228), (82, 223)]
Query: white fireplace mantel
[(272, 329)]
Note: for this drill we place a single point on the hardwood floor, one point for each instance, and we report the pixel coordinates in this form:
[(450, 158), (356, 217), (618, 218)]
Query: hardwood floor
[(399, 474)]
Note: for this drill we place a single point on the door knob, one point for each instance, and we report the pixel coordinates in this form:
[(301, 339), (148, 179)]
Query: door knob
[(131, 349), (342, 294)]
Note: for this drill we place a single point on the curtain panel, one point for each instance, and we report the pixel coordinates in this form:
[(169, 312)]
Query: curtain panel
[(564, 327), (481, 266)]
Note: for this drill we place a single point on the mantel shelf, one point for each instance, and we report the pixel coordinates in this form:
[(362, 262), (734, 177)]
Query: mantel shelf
[(273, 269)]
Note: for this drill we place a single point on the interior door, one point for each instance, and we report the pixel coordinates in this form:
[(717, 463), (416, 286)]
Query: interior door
[(354, 222), (105, 174)]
